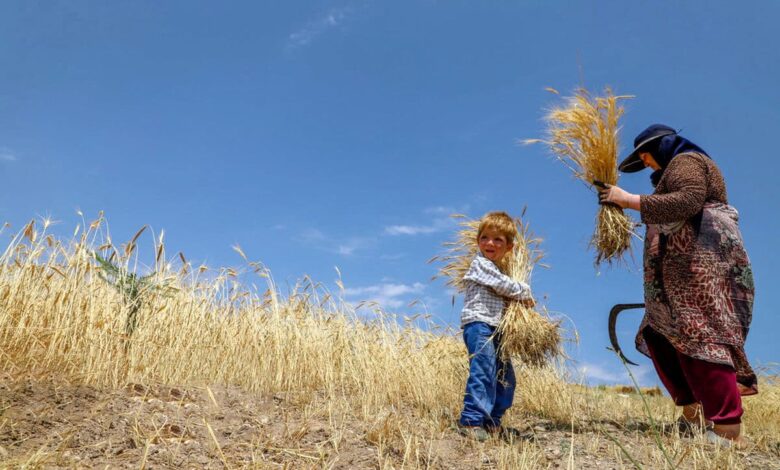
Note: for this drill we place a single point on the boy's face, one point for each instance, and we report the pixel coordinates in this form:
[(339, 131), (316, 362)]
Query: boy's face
[(493, 245)]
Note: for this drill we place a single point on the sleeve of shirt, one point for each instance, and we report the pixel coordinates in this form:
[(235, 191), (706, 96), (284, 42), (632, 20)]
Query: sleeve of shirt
[(687, 184), (484, 272)]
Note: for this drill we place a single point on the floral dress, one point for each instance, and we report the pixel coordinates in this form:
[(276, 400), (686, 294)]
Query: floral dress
[(697, 277)]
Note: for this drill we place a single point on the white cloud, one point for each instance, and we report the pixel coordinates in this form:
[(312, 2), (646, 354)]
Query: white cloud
[(440, 223), (350, 246), (7, 156), (444, 210), (346, 247), (304, 36), (312, 235), (410, 229), (387, 295), (346, 250), (590, 372), (598, 373)]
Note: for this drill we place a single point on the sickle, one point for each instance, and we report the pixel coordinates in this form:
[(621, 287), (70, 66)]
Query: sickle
[(613, 314)]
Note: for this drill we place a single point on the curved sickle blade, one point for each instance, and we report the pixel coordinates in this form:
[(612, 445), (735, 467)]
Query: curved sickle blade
[(613, 314)]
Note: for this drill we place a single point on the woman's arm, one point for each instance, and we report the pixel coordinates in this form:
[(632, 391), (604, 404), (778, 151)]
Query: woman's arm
[(687, 190), (686, 193)]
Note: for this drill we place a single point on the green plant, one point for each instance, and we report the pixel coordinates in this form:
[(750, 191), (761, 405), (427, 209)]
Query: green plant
[(133, 288)]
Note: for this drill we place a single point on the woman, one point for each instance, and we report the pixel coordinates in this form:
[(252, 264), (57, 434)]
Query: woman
[(697, 280)]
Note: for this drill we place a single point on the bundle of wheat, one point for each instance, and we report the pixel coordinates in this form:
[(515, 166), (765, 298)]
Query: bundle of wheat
[(583, 135), (525, 333)]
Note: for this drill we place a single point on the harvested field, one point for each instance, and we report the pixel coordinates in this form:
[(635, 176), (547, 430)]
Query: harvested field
[(54, 424)]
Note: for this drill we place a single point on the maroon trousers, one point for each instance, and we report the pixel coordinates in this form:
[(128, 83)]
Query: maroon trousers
[(690, 380)]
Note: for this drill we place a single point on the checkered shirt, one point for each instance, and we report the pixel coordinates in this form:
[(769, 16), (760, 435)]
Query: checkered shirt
[(487, 291)]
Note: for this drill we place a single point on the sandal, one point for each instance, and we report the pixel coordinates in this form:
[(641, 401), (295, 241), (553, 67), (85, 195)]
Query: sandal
[(722, 442), (689, 428)]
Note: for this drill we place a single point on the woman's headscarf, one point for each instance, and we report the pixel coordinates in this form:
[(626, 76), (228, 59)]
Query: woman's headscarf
[(665, 149)]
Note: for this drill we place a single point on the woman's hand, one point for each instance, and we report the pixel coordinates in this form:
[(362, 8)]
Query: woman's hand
[(618, 196)]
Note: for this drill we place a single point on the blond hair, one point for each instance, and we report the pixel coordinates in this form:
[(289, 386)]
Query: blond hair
[(501, 222)]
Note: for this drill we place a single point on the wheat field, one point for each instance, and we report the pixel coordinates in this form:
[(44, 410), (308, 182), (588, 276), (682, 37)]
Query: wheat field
[(86, 311)]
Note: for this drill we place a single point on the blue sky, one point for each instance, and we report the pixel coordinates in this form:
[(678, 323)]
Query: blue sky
[(343, 133)]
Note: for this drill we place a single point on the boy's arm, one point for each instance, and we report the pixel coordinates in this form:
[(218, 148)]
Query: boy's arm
[(483, 271)]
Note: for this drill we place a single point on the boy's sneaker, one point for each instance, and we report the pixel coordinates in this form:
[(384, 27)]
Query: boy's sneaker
[(477, 433), (508, 434)]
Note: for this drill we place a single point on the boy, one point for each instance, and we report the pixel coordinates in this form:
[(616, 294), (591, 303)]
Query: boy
[(491, 384)]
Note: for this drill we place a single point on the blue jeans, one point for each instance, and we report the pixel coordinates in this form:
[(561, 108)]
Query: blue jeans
[(490, 388)]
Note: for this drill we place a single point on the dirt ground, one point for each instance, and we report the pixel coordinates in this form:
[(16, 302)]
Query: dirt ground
[(50, 424)]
